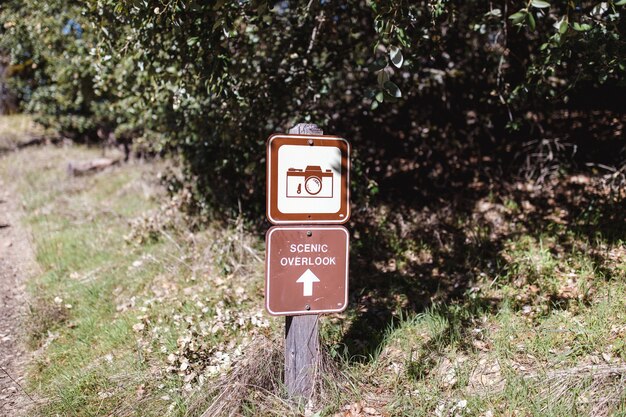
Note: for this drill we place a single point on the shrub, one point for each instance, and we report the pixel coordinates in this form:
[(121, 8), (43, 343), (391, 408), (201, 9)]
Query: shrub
[(425, 90)]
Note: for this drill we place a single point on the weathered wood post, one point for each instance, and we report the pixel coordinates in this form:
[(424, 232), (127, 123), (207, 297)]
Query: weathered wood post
[(302, 355), (302, 350)]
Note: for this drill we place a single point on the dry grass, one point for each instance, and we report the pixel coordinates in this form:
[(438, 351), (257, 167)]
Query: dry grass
[(254, 386), (43, 316), (16, 130), (600, 389), (257, 375)]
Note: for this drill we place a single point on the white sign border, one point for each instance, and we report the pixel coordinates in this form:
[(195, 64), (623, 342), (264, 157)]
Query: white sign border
[(268, 263)]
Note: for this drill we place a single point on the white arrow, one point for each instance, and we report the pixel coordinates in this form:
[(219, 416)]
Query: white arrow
[(308, 278)]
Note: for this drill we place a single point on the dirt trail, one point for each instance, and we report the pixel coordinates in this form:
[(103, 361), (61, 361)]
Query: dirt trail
[(17, 262)]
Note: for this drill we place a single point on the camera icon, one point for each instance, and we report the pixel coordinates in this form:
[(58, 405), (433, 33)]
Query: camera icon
[(310, 182)]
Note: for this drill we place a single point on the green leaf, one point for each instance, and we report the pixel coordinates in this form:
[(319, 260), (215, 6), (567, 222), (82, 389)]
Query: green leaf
[(396, 56), (540, 4), (581, 28), (374, 105), (621, 3), (373, 187), (382, 77), (401, 35), (517, 18), (377, 65), (380, 96), (494, 13), (531, 21), (563, 25), (392, 89)]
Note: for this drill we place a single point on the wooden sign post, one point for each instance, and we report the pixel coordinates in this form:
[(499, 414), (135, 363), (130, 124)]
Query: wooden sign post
[(306, 256), (302, 355), (302, 342)]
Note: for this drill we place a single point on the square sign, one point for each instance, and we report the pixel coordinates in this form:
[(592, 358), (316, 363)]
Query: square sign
[(307, 179), (306, 270)]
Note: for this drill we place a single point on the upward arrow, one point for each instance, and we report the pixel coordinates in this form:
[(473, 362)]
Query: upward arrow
[(308, 278)]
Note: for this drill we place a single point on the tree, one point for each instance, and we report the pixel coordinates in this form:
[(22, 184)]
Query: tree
[(422, 88)]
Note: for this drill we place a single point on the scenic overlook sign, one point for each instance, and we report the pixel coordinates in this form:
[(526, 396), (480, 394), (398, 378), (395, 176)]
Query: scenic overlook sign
[(307, 179), (306, 270), (306, 254)]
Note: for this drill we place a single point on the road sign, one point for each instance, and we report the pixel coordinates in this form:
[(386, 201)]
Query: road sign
[(306, 270), (307, 179)]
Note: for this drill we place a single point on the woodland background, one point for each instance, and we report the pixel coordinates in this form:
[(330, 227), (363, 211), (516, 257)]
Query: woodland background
[(489, 159)]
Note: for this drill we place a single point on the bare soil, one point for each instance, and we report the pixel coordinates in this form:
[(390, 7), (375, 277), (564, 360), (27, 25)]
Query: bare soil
[(17, 262)]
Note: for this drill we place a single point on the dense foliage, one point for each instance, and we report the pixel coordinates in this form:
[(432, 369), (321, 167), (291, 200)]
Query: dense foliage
[(426, 90)]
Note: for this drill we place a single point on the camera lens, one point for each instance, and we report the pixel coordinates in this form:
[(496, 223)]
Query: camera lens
[(313, 185)]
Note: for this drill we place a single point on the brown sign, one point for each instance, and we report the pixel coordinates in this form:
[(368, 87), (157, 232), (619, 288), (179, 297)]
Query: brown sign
[(306, 270), (307, 179)]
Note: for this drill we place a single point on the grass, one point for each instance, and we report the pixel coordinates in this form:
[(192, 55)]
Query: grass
[(122, 327), (524, 357), (16, 129), (135, 314)]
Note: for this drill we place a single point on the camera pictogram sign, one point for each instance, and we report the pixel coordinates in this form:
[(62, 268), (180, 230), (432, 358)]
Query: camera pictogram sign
[(306, 270), (307, 179)]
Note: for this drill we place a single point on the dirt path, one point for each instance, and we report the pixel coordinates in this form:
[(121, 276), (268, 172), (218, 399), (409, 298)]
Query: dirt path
[(17, 262)]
